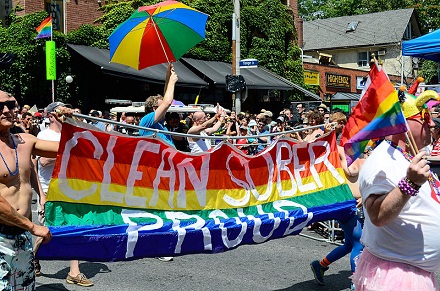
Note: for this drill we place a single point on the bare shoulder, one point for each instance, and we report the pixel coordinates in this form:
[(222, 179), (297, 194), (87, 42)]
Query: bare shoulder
[(24, 139)]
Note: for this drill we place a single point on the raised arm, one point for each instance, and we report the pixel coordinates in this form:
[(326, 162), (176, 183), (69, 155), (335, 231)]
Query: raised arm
[(168, 97), (220, 116)]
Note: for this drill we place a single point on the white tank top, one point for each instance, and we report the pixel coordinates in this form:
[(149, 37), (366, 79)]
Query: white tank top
[(201, 145)]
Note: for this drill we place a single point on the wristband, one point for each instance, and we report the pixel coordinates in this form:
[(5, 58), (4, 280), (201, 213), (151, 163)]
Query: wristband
[(413, 185), (408, 187)]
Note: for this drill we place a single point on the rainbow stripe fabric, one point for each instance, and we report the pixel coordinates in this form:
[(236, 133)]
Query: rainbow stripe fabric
[(115, 197), (378, 114), (45, 28)]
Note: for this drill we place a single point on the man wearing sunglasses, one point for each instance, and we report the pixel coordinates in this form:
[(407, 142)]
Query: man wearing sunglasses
[(16, 226), (401, 199)]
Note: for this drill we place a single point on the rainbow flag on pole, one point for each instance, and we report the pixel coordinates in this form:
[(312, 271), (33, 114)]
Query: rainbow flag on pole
[(45, 28), (378, 114)]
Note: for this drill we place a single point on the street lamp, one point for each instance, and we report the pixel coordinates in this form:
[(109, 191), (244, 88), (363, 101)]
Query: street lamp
[(69, 79)]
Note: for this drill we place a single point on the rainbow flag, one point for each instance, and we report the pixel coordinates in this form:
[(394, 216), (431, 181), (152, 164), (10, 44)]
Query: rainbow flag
[(115, 197), (45, 28), (377, 115)]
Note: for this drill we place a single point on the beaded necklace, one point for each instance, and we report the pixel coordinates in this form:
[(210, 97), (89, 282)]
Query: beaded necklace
[(409, 157), (16, 158)]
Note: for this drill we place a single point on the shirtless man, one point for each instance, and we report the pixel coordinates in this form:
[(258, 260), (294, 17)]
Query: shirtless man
[(16, 226)]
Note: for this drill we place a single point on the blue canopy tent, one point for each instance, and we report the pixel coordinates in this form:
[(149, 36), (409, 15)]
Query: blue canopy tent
[(426, 46)]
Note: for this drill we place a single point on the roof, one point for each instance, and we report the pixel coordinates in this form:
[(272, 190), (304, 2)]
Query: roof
[(346, 96), (154, 74), (256, 78), (380, 28)]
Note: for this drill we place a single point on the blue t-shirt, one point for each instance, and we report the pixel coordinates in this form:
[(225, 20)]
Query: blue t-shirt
[(148, 121)]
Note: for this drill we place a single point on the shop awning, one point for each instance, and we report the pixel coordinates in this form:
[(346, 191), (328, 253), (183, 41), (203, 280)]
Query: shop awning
[(342, 96), (256, 78), (155, 74)]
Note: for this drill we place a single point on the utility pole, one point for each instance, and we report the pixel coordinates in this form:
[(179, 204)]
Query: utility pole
[(236, 97)]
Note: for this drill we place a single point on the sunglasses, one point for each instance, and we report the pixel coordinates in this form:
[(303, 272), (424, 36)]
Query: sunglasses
[(10, 104)]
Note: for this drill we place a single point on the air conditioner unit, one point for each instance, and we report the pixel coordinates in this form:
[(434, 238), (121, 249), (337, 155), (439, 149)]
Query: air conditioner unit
[(381, 52)]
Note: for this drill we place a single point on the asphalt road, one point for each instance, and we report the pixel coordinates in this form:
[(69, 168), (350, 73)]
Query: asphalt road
[(281, 264)]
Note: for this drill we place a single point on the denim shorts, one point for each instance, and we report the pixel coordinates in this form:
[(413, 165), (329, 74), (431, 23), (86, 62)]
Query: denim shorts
[(16, 262)]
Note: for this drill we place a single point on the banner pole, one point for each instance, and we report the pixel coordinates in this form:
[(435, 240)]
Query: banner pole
[(53, 81)]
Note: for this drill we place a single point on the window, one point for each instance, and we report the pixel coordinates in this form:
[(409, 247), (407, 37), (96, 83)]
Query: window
[(365, 57), (408, 32), (352, 26)]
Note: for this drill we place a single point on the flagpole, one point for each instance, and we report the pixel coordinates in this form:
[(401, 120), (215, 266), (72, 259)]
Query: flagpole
[(53, 81)]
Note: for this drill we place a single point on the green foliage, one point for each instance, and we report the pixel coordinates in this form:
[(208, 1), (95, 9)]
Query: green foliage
[(85, 35), (26, 78), (266, 28), (429, 70)]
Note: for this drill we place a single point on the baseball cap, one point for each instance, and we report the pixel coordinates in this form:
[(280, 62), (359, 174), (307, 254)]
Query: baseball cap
[(280, 118), (243, 127), (252, 123), (94, 113), (53, 106), (37, 114)]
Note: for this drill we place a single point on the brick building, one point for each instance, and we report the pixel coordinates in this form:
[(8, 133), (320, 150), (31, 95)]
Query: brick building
[(67, 15)]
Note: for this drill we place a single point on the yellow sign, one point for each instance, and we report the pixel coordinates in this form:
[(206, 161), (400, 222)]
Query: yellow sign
[(339, 81), (311, 78)]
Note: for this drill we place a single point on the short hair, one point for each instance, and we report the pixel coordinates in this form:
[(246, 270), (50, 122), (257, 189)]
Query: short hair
[(26, 114), (338, 117), (151, 102), (172, 115), (316, 116)]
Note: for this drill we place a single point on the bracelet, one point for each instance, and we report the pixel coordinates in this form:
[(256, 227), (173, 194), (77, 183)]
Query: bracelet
[(413, 185), (408, 187)]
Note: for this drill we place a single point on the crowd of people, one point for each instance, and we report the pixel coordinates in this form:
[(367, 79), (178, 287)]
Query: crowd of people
[(396, 193)]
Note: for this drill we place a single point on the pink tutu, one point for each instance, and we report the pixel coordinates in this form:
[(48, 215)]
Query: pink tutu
[(376, 274)]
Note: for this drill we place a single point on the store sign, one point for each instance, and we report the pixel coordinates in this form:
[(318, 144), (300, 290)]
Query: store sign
[(5, 11), (311, 78), (360, 83), (339, 81)]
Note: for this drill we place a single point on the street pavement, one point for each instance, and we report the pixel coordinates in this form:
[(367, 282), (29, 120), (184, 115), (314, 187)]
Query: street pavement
[(280, 264)]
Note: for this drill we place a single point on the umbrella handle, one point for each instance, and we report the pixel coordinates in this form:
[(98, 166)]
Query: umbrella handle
[(160, 40)]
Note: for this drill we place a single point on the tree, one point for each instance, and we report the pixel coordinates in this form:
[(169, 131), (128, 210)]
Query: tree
[(267, 32), (26, 77)]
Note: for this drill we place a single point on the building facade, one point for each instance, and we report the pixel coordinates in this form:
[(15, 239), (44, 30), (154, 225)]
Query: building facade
[(67, 15)]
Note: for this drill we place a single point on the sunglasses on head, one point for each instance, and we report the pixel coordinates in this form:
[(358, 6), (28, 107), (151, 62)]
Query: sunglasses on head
[(10, 104)]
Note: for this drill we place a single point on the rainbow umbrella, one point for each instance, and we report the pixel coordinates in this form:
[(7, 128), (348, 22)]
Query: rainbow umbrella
[(157, 34)]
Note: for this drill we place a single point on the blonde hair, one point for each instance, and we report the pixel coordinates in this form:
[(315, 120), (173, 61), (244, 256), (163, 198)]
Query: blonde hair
[(152, 101), (338, 117)]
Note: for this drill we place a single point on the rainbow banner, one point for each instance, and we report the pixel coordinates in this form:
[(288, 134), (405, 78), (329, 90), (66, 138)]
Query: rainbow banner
[(45, 28), (377, 115), (115, 197)]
